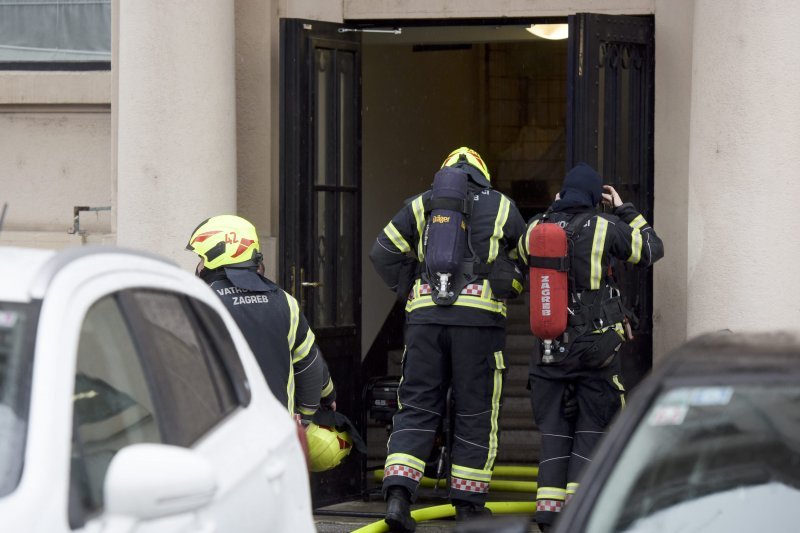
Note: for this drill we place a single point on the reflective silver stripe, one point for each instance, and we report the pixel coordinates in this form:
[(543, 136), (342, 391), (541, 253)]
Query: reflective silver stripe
[(396, 238), (499, 222), (598, 244), (419, 216)]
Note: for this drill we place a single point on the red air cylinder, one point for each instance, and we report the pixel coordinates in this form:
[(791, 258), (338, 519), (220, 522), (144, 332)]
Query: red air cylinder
[(547, 245)]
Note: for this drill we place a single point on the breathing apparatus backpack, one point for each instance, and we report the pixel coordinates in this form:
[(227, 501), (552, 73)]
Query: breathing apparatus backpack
[(446, 237), (549, 245)]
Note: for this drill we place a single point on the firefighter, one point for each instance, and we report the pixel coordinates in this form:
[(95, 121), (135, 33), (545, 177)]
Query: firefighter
[(270, 318), (575, 395), (458, 345)]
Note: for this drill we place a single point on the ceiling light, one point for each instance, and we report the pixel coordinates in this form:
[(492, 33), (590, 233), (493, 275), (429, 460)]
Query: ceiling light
[(549, 31)]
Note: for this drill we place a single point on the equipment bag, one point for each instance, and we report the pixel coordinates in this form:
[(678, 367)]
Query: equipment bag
[(445, 240)]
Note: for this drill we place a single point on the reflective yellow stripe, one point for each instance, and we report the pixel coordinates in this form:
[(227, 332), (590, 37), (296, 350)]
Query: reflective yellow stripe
[(419, 216), (618, 383), (524, 252), (301, 351), (496, 394), (407, 460), (638, 222), (499, 222), (294, 319), (471, 473), (572, 487), (327, 389), (305, 411), (551, 493), (597, 253), (476, 302), (636, 246), (486, 290), (518, 288), (396, 238)]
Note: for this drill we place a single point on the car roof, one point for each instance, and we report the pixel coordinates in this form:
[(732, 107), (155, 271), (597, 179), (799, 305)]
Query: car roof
[(27, 272), (748, 355)]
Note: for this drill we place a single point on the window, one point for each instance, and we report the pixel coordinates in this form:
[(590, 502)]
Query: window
[(76, 32), (112, 405), (192, 381)]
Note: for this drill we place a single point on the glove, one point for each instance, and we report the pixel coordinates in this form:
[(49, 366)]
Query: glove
[(569, 403)]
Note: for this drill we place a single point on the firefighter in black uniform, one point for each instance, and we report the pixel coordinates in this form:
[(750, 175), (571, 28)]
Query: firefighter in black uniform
[(270, 318), (459, 345), (576, 394)]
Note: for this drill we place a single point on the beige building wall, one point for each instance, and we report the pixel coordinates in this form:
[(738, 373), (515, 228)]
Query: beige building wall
[(744, 163), (54, 155), (176, 138)]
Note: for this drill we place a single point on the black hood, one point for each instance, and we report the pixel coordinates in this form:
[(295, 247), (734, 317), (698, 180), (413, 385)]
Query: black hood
[(583, 187)]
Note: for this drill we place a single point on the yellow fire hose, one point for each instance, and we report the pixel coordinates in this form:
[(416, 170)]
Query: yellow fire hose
[(444, 511), (516, 471)]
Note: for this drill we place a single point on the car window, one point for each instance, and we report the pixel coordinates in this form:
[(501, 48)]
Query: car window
[(112, 404), (191, 379), (17, 332), (712, 458)]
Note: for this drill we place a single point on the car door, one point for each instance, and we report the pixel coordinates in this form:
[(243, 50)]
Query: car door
[(161, 367)]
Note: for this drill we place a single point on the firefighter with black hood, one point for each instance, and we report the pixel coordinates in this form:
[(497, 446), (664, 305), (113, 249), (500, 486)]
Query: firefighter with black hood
[(450, 255), (575, 381), (269, 317)]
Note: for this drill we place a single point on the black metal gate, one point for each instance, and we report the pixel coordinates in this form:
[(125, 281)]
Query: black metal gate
[(610, 127)]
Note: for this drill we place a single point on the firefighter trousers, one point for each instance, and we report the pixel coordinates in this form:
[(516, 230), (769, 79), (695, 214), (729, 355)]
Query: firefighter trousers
[(470, 360), (567, 443)]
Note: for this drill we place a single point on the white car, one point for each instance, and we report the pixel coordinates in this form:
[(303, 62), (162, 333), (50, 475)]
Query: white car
[(131, 402)]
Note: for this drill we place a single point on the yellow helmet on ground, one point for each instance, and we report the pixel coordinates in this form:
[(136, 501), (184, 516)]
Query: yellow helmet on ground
[(225, 240), (327, 447), (468, 159)]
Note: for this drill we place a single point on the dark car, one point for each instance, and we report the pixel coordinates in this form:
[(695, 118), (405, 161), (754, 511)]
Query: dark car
[(709, 442)]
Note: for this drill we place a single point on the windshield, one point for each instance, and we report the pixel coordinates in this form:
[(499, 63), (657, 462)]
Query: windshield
[(17, 324), (711, 459)]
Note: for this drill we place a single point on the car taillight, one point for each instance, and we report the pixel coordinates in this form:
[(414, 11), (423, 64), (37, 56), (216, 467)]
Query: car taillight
[(301, 436)]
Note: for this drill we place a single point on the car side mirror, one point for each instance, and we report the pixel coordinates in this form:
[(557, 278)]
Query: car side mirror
[(146, 481)]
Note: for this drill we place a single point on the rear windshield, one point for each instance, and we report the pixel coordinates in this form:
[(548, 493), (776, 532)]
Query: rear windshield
[(711, 459), (17, 326)]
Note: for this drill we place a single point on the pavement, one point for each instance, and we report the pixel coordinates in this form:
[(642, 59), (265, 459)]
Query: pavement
[(351, 515)]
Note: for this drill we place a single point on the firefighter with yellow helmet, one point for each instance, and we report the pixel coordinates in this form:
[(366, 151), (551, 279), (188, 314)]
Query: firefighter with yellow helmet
[(449, 254), (270, 318)]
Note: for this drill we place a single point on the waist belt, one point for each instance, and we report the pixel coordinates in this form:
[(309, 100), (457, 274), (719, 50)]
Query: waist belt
[(471, 289)]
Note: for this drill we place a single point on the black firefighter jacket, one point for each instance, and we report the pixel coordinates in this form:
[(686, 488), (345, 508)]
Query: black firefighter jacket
[(398, 253)]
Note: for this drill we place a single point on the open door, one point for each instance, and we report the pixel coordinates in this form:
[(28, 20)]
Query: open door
[(610, 126), (320, 181)]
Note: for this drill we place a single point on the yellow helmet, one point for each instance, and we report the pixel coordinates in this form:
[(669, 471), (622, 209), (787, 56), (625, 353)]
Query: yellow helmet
[(467, 158), (327, 447), (225, 240)]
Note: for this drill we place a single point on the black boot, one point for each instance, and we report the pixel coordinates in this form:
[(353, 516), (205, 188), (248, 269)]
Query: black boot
[(398, 510), (470, 511)]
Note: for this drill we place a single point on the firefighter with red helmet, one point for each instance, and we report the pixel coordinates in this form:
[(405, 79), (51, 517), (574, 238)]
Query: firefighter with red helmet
[(575, 383), (270, 318), (455, 329)]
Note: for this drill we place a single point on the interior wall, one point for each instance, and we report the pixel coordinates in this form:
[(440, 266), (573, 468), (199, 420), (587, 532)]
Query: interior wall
[(417, 107)]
